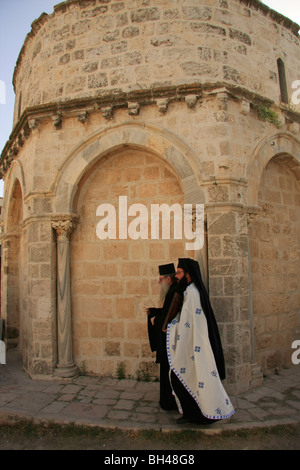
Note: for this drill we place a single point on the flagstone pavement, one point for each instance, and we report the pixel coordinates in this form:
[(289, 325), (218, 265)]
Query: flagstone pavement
[(133, 405)]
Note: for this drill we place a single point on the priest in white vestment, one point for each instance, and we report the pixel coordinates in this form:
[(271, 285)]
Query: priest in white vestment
[(195, 353)]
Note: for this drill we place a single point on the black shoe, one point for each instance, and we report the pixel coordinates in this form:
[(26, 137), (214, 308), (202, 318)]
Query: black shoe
[(201, 421), (207, 421), (183, 420), (168, 406)]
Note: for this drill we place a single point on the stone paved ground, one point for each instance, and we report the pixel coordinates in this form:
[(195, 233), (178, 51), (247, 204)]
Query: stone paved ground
[(130, 404)]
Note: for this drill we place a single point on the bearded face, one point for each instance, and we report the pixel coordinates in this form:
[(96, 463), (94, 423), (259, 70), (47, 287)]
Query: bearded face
[(164, 287), (183, 282)]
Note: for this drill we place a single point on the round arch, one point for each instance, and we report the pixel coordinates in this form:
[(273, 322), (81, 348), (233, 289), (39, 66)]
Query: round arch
[(161, 143), (15, 175), (281, 144)]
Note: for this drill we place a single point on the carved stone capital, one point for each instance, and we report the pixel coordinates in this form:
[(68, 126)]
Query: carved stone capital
[(64, 226)]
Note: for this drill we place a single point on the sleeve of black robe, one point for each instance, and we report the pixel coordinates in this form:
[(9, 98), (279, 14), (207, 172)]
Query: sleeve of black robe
[(152, 330), (155, 331)]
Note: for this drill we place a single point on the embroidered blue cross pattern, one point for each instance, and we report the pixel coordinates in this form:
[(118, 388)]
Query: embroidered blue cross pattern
[(218, 411), (214, 373), (178, 337), (187, 324), (198, 311), (197, 348), (201, 384), (182, 370)]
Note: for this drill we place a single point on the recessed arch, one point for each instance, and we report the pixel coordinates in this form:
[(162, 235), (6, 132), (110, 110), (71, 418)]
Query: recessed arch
[(12, 259), (15, 176), (114, 279), (275, 253), (280, 144)]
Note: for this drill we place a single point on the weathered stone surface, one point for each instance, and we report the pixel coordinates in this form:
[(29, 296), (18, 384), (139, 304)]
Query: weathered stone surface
[(99, 31), (98, 80), (145, 14), (157, 102)]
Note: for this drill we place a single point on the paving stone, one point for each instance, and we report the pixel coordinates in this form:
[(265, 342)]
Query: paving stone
[(133, 404), (124, 405)]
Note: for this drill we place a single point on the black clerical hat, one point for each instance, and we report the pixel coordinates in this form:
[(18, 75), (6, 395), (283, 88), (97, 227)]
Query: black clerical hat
[(181, 263), (166, 269)]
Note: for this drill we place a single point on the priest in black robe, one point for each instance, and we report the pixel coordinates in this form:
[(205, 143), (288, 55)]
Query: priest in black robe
[(157, 337)]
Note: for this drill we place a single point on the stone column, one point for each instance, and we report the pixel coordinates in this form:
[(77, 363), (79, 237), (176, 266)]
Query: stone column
[(64, 226), (257, 376)]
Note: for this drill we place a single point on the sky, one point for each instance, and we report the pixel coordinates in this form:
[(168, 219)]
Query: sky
[(16, 17)]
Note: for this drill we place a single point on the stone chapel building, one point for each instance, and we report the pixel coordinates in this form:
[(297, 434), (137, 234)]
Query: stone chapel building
[(165, 101)]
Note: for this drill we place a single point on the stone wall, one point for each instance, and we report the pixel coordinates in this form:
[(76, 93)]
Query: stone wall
[(159, 103), (94, 48)]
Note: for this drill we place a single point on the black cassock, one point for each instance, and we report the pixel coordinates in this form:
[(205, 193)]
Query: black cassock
[(157, 340)]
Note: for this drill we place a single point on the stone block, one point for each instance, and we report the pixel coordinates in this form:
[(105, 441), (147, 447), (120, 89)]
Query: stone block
[(112, 348), (195, 12), (98, 80), (145, 14)]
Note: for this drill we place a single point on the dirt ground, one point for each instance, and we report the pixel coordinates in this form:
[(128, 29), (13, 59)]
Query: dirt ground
[(28, 436)]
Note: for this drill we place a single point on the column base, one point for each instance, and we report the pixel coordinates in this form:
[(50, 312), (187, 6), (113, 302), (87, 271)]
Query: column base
[(66, 371)]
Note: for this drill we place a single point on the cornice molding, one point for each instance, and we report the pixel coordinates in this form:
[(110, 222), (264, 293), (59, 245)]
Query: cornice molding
[(132, 101)]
